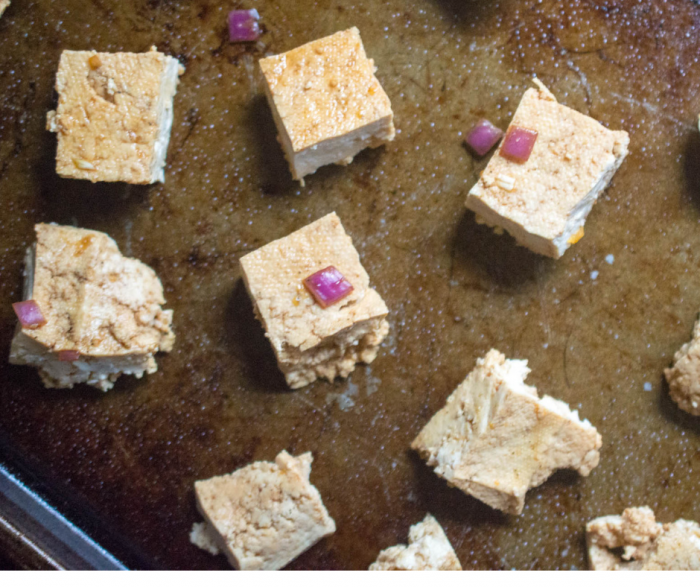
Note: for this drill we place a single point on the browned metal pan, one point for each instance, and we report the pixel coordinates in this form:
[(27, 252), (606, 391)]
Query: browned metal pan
[(598, 326)]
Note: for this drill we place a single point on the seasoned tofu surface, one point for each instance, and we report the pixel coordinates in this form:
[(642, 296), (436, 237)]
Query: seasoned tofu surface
[(636, 541), (311, 341), (428, 550), (266, 514), (684, 376), (325, 89), (544, 202), (495, 438), (326, 101), (96, 302), (114, 115)]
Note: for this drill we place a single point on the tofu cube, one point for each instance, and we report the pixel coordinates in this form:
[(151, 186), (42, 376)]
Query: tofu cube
[(96, 302), (266, 514), (495, 438), (3, 5), (684, 377), (543, 203), (646, 545), (428, 550), (327, 103), (114, 115), (310, 341)]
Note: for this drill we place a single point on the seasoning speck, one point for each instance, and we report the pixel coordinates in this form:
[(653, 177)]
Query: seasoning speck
[(594, 275), (610, 259), (647, 386)]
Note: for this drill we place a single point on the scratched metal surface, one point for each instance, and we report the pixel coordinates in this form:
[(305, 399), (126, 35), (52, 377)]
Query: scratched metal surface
[(598, 326)]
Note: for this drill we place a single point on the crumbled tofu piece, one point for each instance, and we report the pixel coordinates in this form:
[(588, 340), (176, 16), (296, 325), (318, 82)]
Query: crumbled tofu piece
[(428, 550), (114, 115), (3, 5), (310, 341), (203, 537), (551, 194), (266, 514), (327, 103), (646, 544), (495, 438), (95, 301), (684, 377)]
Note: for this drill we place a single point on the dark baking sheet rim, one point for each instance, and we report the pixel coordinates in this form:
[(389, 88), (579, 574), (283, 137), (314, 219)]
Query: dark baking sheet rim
[(44, 526)]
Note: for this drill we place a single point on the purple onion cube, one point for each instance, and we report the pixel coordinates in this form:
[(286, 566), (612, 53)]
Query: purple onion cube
[(518, 144), (29, 314), (483, 136), (328, 286), (243, 25)]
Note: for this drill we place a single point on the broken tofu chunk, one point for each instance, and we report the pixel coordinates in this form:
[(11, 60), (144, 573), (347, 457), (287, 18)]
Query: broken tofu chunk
[(428, 550), (327, 103), (684, 376), (264, 515), (311, 341), (495, 438), (3, 5), (544, 202), (103, 311), (114, 115), (635, 541)]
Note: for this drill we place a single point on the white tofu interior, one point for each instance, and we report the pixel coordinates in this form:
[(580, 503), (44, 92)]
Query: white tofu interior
[(165, 117)]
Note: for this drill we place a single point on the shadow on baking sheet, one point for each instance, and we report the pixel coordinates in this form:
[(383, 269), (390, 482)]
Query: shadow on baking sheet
[(247, 337), (671, 412), (496, 257), (449, 502), (691, 167), (81, 202), (273, 174)]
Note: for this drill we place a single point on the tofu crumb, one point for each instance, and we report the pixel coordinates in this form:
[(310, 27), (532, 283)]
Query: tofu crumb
[(684, 376), (97, 302), (505, 182), (204, 537), (495, 438), (428, 550), (266, 514), (635, 541)]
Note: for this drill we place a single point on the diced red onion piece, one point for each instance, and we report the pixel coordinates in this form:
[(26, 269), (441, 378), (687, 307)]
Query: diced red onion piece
[(243, 25), (518, 144), (29, 314), (483, 136), (328, 286), (68, 356)]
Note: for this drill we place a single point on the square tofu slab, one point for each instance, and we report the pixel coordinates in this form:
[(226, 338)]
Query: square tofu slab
[(428, 550), (543, 203), (3, 5), (310, 341), (264, 515), (326, 101), (114, 115), (103, 311), (495, 438), (646, 545)]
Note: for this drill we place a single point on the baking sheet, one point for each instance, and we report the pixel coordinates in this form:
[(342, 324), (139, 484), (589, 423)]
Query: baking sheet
[(597, 326)]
